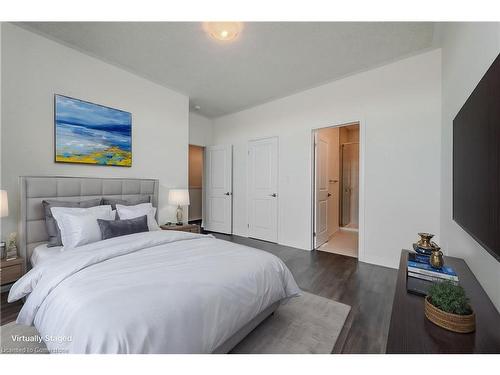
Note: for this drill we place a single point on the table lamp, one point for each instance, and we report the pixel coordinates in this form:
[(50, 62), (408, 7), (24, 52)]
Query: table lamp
[(178, 197), (4, 204)]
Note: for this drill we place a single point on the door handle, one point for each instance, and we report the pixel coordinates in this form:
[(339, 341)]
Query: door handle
[(329, 195), (274, 195), (227, 193)]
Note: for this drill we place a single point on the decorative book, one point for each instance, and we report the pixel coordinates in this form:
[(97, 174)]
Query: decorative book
[(446, 273), (428, 278), (420, 258)]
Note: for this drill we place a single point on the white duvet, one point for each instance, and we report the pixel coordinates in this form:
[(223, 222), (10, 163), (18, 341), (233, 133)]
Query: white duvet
[(153, 292)]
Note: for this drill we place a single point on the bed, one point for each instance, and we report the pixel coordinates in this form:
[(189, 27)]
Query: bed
[(150, 292)]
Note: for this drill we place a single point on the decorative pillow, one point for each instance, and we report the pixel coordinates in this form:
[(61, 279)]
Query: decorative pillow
[(115, 228), (126, 202), (50, 222), (79, 225), (131, 212)]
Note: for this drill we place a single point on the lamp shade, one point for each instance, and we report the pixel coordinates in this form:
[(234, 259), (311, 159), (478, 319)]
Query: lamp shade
[(4, 204), (178, 197)]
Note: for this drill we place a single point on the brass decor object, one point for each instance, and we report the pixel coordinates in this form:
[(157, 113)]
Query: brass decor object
[(436, 258), (451, 322), (425, 241), (425, 245)]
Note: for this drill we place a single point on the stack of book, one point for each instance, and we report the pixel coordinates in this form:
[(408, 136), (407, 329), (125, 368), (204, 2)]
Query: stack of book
[(421, 275)]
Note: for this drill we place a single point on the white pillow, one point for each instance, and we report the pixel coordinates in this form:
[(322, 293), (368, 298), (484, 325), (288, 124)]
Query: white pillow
[(79, 226), (131, 212)]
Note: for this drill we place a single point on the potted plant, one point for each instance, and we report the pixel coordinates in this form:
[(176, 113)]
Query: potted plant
[(447, 306)]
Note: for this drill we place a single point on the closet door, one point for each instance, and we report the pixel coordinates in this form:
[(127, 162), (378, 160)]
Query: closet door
[(218, 190), (263, 189)]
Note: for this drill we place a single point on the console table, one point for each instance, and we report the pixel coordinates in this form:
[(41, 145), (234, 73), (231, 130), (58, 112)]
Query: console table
[(411, 332)]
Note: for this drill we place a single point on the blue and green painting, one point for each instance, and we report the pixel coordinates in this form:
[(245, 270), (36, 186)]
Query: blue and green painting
[(89, 133)]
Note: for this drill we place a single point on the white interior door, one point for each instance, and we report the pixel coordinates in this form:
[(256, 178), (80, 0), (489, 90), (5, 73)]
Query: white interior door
[(333, 181), (218, 188), (322, 195), (263, 189)]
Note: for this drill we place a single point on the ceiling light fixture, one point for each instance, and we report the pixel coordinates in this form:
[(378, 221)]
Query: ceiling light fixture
[(223, 31)]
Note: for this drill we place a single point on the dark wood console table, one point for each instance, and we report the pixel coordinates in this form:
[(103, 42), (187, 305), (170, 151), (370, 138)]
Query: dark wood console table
[(411, 332)]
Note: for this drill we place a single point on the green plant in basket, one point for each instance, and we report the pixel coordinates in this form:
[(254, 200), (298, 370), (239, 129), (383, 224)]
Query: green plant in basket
[(450, 298)]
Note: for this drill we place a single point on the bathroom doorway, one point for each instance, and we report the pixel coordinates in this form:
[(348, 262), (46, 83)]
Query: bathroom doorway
[(336, 189), (195, 168)]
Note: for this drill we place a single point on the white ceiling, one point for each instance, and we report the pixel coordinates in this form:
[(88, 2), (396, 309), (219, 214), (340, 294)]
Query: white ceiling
[(269, 60)]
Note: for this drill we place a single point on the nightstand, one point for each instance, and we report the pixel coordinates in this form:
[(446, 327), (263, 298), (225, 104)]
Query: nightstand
[(193, 228), (11, 270)]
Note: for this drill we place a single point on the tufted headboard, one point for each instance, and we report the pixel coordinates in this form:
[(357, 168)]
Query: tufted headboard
[(34, 190)]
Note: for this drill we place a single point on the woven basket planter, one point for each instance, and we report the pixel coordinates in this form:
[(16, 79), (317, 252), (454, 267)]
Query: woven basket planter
[(451, 322)]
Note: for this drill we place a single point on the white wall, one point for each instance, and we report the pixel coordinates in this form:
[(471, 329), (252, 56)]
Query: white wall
[(200, 130), (468, 50), (1, 185), (399, 106), (35, 68)]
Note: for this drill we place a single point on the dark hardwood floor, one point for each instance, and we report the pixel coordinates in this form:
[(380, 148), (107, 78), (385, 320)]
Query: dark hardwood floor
[(367, 288)]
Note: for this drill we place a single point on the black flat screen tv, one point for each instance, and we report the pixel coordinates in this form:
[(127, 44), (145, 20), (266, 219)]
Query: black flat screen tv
[(476, 163)]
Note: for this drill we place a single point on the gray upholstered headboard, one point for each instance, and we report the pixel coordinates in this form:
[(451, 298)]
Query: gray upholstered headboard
[(34, 190)]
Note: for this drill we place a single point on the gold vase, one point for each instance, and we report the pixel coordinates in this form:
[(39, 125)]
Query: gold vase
[(436, 259), (425, 241)]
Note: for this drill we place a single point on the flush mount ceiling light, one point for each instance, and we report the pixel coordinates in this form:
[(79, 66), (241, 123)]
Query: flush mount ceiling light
[(223, 31)]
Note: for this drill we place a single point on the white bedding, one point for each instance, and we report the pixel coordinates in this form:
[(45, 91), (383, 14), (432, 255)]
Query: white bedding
[(152, 292), (42, 253)]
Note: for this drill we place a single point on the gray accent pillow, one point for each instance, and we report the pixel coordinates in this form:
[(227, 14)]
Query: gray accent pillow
[(115, 228), (126, 202), (51, 223)]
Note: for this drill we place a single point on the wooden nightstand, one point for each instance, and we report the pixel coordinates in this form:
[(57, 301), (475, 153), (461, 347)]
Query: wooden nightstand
[(193, 228), (11, 270)]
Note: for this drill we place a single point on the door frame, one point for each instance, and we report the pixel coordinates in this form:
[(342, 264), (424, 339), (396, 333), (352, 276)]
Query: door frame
[(361, 206), (277, 186)]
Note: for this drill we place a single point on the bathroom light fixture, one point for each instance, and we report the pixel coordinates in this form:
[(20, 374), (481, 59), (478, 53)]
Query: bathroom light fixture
[(223, 31)]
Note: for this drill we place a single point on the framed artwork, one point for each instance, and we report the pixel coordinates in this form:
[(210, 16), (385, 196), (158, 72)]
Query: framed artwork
[(88, 133)]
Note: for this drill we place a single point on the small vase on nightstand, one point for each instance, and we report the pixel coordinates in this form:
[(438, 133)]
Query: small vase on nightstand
[(11, 247)]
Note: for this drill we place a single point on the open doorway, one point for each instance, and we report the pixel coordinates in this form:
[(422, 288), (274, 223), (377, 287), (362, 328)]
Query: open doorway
[(195, 166), (336, 189)]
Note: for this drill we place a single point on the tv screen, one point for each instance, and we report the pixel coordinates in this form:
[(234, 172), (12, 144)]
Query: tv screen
[(476, 163)]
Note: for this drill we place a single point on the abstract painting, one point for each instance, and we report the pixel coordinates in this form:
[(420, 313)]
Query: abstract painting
[(89, 133)]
